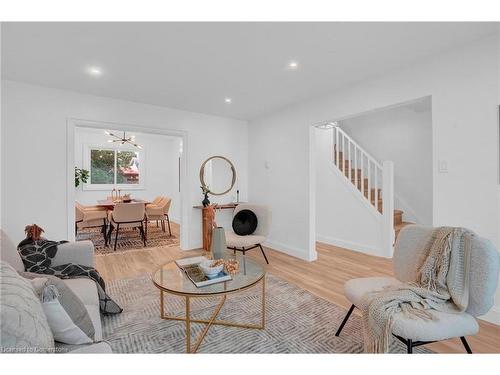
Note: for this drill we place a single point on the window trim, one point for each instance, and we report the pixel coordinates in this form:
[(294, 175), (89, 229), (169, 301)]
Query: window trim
[(108, 187)]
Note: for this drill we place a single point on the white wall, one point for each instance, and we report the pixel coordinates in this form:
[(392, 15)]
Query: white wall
[(402, 135), (34, 125), (160, 172), (463, 84)]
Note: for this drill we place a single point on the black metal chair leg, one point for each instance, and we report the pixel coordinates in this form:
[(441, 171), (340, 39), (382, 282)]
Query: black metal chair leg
[(466, 345), (263, 253), (105, 233), (116, 235), (169, 230), (409, 346), (109, 233), (346, 318), (141, 228), (163, 225)]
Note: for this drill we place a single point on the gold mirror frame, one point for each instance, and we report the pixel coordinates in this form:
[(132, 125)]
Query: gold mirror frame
[(202, 173)]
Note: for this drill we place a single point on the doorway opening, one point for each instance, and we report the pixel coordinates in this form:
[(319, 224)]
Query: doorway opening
[(125, 186), (373, 175)]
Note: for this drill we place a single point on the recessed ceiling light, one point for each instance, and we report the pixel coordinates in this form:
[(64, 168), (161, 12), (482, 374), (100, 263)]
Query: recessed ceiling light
[(228, 100), (293, 65), (94, 71)]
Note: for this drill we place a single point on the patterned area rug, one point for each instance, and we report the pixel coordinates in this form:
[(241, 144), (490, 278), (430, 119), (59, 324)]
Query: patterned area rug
[(296, 322), (128, 239)]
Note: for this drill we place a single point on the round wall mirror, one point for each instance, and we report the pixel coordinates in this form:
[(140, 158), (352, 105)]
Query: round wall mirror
[(217, 175)]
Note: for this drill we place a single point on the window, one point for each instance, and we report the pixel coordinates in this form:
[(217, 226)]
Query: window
[(109, 167)]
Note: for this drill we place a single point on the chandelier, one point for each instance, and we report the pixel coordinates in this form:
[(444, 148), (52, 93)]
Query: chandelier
[(122, 140)]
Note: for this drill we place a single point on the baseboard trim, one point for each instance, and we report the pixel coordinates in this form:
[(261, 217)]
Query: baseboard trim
[(493, 316), (289, 250), (350, 245)]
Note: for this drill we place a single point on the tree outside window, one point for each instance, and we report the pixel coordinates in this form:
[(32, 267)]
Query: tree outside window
[(111, 167)]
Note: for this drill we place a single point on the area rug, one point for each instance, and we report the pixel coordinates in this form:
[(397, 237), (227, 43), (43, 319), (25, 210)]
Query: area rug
[(296, 322), (128, 240)]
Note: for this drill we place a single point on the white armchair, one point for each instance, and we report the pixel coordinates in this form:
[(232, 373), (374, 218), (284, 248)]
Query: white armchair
[(254, 240), (408, 249)]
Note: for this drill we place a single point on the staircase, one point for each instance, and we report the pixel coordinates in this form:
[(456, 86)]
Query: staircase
[(366, 174)]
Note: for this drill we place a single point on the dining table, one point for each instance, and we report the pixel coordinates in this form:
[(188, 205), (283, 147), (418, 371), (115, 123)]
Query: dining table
[(110, 204)]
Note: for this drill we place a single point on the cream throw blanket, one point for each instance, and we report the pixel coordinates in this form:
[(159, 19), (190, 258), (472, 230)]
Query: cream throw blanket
[(442, 284)]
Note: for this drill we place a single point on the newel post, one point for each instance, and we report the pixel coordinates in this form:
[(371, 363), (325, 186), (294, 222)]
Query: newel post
[(388, 208)]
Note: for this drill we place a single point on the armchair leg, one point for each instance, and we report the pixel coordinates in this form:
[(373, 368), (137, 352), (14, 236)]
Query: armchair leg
[(346, 318), (409, 346), (263, 253), (466, 345)]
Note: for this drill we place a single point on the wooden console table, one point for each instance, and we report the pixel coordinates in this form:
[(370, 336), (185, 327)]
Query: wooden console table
[(207, 224)]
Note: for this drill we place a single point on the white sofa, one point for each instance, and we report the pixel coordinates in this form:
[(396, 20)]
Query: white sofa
[(71, 252)]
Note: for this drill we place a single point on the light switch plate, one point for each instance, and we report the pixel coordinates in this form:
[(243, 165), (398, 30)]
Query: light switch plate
[(443, 166)]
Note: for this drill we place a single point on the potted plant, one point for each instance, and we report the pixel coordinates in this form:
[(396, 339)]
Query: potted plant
[(81, 176)]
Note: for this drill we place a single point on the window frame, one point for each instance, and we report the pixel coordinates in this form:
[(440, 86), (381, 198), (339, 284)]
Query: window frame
[(88, 186)]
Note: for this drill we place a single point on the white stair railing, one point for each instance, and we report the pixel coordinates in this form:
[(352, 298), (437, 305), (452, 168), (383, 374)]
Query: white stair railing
[(371, 179)]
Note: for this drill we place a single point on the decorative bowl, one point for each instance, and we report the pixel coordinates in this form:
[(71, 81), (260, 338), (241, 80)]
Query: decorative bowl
[(209, 270)]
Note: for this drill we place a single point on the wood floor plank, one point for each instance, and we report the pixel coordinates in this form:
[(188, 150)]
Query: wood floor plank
[(324, 277)]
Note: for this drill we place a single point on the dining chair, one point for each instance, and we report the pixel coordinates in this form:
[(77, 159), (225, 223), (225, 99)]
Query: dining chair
[(154, 204), (159, 212), (408, 250), (243, 244), (127, 215), (91, 217)]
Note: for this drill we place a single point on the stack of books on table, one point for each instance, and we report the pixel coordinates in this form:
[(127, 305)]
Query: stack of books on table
[(191, 267)]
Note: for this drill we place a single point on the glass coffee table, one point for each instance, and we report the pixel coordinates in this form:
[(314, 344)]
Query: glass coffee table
[(170, 279)]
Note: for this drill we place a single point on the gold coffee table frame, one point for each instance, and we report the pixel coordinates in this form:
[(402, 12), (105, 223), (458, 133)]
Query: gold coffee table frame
[(212, 320)]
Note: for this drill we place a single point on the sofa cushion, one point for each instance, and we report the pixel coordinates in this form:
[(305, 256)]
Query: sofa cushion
[(99, 348), (86, 290), (23, 325), (8, 252), (67, 316)]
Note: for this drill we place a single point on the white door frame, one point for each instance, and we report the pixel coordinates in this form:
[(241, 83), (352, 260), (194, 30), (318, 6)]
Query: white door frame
[(72, 123)]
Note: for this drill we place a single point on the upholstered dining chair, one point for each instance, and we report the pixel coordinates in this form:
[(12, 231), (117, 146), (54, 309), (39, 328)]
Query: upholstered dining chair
[(158, 211), (484, 268), (243, 244), (127, 215), (91, 217)]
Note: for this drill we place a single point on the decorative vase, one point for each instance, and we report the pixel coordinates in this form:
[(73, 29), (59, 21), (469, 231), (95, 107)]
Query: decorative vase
[(205, 201), (218, 246)]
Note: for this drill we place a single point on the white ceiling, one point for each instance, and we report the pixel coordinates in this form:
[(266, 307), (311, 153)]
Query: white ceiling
[(194, 66)]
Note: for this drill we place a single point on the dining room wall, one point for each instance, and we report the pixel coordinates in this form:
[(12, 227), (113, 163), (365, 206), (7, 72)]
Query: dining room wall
[(34, 145), (159, 167)]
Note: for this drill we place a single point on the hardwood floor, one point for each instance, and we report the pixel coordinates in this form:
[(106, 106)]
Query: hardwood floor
[(324, 278)]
